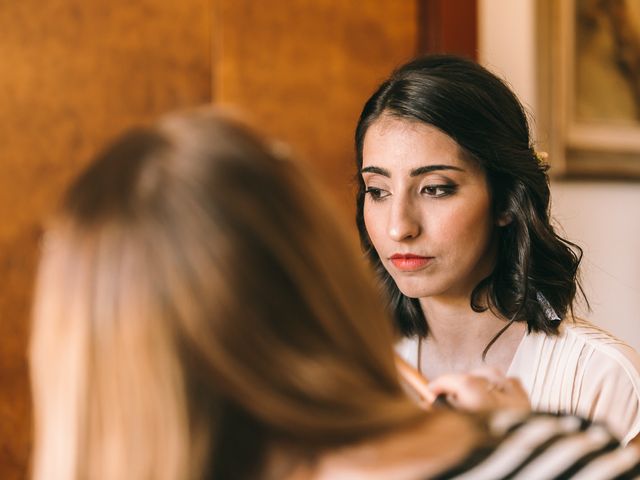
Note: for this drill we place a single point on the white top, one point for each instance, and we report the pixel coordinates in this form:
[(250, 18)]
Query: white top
[(583, 371)]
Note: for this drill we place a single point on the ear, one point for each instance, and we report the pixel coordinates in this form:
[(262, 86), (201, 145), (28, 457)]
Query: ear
[(503, 219)]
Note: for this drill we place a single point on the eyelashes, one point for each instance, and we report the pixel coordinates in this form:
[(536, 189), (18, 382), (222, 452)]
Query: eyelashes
[(431, 191), (438, 191), (376, 194)]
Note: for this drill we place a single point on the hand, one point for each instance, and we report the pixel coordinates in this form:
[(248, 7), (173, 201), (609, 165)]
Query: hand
[(481, 390)]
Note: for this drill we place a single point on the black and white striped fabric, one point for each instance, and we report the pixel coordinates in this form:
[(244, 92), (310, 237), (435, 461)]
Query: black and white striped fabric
[(545, 446)]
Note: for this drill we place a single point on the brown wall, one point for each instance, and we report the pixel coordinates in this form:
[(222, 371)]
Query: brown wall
[(75, 72), (448, 26), (303, 70)]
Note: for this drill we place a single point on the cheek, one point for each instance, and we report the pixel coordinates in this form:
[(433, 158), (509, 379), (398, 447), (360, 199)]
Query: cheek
[(373, 224), (466, 226)]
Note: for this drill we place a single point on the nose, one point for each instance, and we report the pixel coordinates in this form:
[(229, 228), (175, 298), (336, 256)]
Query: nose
[(403, 222)]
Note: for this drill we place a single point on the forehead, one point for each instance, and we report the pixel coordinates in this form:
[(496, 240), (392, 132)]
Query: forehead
[(401, 144)]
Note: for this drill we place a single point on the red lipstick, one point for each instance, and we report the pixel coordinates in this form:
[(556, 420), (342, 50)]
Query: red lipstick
[(409, 262)]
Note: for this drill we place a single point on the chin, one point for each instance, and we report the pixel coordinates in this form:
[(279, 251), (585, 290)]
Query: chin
[(418, 291)]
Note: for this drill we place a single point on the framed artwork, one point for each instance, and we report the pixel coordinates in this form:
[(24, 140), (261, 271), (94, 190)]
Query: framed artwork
[(589, 95)]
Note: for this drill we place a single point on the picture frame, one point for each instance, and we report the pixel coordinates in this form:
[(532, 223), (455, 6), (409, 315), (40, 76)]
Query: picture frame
[(589, 87)]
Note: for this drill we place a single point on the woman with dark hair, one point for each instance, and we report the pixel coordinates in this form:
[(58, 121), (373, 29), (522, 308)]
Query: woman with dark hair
[(453, 212)]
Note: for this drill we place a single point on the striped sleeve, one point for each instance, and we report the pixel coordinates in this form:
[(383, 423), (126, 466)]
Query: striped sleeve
[(546, 446)]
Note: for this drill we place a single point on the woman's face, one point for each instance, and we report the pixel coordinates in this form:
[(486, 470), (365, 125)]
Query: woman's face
[(427, 210)]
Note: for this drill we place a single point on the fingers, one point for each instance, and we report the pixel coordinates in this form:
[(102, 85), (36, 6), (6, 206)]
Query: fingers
[(491, 374), (513, 385), (466, 392), (499, 381), (482, 390)]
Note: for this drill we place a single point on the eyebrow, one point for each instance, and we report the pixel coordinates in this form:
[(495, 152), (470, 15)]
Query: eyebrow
[(416, 172)]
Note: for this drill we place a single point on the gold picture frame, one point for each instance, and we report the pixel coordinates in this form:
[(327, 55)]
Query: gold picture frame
[(589, 87)]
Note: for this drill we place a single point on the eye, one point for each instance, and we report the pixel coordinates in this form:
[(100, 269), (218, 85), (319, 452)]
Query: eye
[(376, 194), (437, 191)]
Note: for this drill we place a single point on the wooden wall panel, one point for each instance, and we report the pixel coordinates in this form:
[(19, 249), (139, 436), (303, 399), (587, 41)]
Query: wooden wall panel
[(448, 26), (303, 69), (72, 73)]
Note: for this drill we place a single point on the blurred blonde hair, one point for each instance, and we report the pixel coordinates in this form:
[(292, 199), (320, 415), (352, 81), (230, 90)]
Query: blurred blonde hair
[(197, 304)]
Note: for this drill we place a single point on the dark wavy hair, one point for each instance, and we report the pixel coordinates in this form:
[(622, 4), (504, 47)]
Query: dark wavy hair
[(536, 269)]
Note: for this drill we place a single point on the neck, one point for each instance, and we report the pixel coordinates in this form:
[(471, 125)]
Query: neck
[(453, 321), (458, 336)]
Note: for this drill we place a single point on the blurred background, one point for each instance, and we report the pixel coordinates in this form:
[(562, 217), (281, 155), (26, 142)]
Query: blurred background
[(597, 208), (74, 73)]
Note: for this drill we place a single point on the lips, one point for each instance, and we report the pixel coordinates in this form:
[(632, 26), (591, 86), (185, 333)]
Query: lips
[(409, 262)]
